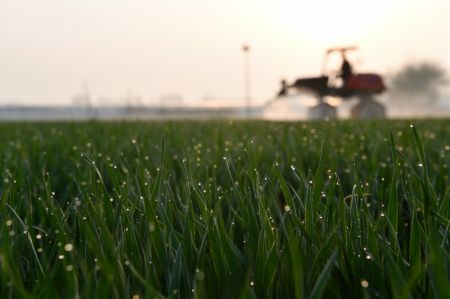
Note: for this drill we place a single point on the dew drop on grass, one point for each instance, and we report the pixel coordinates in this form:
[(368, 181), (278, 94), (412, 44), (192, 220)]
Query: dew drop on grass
[(69, 268), (9, 222), (38, 236), (364, 283), (287, 208), (68, 247), (252, 283), (61, 257)]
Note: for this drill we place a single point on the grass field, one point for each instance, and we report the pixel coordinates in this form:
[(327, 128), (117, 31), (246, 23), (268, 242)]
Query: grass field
[(225, 210)]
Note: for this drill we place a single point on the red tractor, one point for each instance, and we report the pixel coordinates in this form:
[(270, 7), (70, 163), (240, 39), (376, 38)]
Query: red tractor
[(344, 84)]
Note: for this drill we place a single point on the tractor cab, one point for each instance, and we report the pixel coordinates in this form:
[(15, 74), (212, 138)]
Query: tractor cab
[(345, 82)]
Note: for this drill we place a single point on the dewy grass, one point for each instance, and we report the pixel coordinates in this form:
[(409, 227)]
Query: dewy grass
[(225, 210)]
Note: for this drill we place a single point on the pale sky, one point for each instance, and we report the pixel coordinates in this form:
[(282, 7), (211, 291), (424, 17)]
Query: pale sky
[(151, 48)]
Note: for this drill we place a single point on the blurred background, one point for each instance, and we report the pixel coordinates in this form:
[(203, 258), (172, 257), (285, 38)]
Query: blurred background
[(204, 58)]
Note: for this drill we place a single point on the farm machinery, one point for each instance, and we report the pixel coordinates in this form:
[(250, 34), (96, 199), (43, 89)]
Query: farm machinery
[(344, 84)]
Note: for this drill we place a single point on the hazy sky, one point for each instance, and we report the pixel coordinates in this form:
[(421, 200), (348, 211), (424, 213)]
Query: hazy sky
[(192, 47)]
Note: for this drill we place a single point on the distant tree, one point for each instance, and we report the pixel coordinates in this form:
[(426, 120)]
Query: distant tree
[(418, 82)]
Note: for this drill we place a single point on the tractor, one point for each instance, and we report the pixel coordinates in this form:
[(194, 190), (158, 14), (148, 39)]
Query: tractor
[(343, 84)]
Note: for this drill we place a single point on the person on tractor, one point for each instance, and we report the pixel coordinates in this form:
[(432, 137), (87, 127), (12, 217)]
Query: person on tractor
[(346, 69)]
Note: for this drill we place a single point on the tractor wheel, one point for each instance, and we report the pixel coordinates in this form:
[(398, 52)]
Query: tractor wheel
[(368, 109), (322, 111)]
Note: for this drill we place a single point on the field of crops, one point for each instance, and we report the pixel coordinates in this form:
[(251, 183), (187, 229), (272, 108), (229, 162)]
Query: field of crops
[(225, 210)]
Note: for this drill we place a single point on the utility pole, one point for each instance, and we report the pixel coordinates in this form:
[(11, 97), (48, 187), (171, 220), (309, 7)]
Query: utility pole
[(246, 50)]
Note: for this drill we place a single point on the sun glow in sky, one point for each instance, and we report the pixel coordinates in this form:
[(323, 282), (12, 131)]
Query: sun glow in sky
[(192, 47), (334, 21)]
